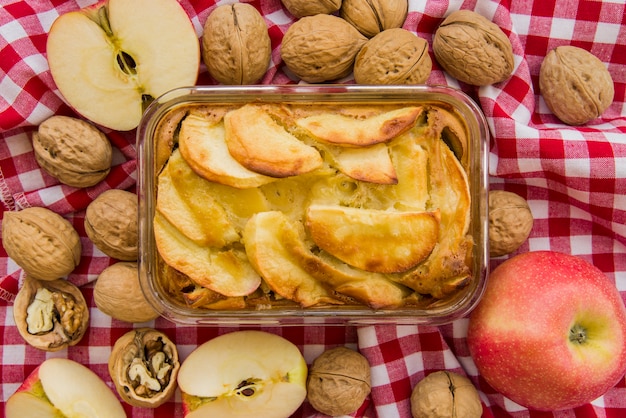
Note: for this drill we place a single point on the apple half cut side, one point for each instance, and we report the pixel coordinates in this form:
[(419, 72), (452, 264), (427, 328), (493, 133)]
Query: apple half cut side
[(243, 374), (63, 388), (109, 59)]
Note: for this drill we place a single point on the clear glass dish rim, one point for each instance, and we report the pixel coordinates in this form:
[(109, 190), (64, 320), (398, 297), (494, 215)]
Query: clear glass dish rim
[(479, 185)]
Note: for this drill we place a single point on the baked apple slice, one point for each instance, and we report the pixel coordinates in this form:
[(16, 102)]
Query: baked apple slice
[(227, 272), (260, 144), (202, 143), (370, 164), (269, 238), (348, 131), (379, 241)]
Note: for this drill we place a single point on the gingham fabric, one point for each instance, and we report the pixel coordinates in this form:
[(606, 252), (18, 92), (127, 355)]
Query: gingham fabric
[(573, 177)]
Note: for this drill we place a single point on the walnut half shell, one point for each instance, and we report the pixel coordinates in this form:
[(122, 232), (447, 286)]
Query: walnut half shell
[(50, 315), (143, 366)]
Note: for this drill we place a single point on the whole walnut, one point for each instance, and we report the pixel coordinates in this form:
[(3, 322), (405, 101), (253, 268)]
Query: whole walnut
[(118, 293), (371, 17), (236, 46), (445, 394), (321, 48), (394, 56), (43, 243), (73, 151), (339, 380), (575, 84), (301, 8), (473, 49), (111, 224), (510, 222)]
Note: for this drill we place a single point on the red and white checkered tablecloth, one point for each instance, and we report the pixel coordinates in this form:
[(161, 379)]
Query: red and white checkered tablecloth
[(573, 177)]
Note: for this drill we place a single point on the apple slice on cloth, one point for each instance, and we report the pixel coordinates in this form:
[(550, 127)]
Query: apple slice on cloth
[(110, 59), (549, 332), (243, 374), (60, 387)]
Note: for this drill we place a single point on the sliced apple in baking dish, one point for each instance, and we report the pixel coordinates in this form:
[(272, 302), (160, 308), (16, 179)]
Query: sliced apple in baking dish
[(260, 144), (379, 241), (107, 59), (268, 238), (202, 143), (370, 164), (195, 213), (224, 271), (354, 132)]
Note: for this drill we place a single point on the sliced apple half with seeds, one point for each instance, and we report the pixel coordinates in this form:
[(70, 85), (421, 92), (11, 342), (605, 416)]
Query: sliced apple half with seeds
[(243, 374), (379, 241), (60, 387), (355, 132), (109, 60), (202, 143), (260, 144)]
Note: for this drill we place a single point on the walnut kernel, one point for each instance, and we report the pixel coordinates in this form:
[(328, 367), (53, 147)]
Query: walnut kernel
[(339, 380), (510, 222), (575, 84)]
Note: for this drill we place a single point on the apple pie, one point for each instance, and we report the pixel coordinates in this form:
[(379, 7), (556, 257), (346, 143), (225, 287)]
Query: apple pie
[(265, 205)]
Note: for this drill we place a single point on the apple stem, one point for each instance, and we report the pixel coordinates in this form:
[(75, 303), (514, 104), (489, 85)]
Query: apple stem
[(103, 20), (578, 334)]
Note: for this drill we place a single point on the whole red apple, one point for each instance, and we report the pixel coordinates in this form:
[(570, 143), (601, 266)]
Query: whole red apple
[(549, 332)]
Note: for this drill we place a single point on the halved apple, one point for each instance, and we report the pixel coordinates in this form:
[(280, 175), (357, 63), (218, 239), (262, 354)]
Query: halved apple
[(374, 240), (60, 387), (269, 238), (345, 130), (108, 60), (262, 145), (202, 143), (226, 271), (243, 374)]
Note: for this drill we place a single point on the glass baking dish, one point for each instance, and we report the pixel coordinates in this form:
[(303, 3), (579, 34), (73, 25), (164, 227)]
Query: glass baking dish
[(153, 151)]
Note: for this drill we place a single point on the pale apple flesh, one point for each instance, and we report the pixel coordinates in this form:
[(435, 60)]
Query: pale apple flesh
[(243, 374), (109, 59), (63, 388), (549, 332)]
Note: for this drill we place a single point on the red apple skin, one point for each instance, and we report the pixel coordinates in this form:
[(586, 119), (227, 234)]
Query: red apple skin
[(518, 335)]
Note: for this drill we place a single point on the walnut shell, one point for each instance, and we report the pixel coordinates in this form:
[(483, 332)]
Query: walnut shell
[(473, 49), (118, 294), (445, 394), (143, 366), (73, 151), (111, 224), (339, 380), (321, 48), (371, 17), (510, 222), (301, 8), (236, 45), (50, 315), (43, 243), (394, 56), (575, 84)]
